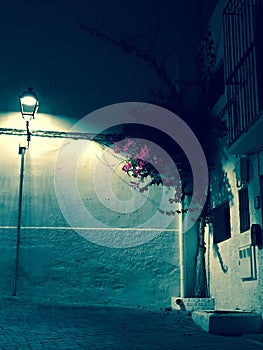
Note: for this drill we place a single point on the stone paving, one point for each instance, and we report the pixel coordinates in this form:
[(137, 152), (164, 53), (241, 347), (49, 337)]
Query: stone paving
[(32, 326)]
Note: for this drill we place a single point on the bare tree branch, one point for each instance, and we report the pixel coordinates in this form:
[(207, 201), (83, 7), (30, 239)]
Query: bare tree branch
[(145, 55)]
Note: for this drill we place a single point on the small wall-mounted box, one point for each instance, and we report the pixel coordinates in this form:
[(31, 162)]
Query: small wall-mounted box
[(256, 235)]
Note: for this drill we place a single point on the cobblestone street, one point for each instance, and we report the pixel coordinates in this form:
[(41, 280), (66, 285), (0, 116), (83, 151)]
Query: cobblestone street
[(25, 326)]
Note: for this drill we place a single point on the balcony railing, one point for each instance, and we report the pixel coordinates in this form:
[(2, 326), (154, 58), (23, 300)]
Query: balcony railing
[(240, 55)]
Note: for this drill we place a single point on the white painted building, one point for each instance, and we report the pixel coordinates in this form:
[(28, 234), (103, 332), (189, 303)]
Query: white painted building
[(235, 254), (100, 263)]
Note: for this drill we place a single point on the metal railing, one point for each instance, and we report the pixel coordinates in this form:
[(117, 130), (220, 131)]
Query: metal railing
[(240, 65)]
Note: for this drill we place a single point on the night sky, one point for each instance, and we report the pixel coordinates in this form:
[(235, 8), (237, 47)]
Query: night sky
[(74, 73)]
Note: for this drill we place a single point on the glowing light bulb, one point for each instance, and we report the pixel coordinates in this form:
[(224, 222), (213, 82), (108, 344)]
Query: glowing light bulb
[(28, 100)]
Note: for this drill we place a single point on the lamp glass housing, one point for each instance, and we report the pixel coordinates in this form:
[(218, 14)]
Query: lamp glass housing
[(29, 104)]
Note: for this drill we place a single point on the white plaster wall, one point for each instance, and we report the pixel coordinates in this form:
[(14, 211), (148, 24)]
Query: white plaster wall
[(227, 287), (58, 265)]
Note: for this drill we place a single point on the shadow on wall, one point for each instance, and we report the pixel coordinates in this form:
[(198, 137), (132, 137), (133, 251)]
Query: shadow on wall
[(221, 187), (221, 192), (216, 250)]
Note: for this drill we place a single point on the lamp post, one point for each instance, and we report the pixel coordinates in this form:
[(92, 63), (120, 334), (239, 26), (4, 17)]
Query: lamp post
[(29, 104)]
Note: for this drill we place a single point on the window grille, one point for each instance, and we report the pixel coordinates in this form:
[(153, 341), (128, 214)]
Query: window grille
[(221, 223), (244, 216), (240, 25)]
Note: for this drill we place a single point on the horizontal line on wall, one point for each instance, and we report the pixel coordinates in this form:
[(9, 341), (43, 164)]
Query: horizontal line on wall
[(90, 228)]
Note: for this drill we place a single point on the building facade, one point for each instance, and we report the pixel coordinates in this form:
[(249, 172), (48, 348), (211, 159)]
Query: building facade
[(234, 241)]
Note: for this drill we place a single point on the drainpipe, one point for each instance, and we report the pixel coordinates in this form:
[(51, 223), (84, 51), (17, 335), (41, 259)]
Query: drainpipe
[(181, 254), (22, 151)]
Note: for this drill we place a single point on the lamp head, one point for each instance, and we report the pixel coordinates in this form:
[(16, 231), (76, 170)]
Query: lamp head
[(29, 104)]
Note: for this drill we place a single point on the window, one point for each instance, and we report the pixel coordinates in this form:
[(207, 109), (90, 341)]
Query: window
[(244, 210), (221, 223)]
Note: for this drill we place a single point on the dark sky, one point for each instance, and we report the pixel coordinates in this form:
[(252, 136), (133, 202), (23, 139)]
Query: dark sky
[(43, 46)]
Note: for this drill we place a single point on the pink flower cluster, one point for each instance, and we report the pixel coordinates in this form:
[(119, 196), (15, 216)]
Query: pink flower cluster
[(140, 163)]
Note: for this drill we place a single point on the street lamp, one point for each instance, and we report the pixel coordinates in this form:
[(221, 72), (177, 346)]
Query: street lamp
[(29, 104)]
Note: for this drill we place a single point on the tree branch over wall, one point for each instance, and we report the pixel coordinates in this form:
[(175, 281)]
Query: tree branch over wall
[(158, 65)]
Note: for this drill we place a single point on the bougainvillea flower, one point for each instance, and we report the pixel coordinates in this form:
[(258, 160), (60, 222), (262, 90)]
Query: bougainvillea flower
[(141, 164), (126, 167)]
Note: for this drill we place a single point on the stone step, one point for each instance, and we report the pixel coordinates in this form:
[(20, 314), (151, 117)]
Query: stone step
[(228, 322), (193, 304)]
